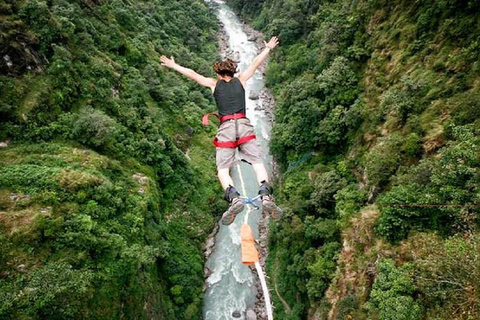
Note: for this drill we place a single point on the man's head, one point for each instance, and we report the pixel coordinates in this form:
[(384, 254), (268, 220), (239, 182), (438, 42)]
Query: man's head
[(225, 68)]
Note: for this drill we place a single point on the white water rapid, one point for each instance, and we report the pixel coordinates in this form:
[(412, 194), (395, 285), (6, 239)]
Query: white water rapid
[(231, 287)]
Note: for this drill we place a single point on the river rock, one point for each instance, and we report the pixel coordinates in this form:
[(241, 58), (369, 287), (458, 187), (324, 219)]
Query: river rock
[(236, 314), (251, 315), (209, 244), (207, 272), (253, 95), (236, 56)]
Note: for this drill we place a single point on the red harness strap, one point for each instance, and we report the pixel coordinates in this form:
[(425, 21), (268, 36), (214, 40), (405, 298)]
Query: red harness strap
[(232, 116), (227, 144), (232, 144), (205, 117)]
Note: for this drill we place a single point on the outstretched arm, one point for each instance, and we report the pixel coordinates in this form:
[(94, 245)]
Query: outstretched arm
[(247, 74), (189, 73)]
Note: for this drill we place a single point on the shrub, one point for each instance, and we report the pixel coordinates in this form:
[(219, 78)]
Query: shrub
[(412, 146), (382, 160), (349, 201), (447, 275), (400, 102), (326, 186), (322, 270), (438, 194), (55, 292), (346, 307), (29, 179), (324, 229), (93, 128), (392, 291)]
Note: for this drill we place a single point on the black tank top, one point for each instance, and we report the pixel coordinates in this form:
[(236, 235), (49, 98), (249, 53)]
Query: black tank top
[(230, 97)]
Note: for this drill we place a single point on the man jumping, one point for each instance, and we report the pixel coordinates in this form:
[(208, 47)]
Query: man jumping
[(235, 130)]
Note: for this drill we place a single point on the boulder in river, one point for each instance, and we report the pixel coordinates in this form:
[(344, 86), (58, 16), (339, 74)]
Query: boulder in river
[(251, 315), (236, 56), (253, 95), (236, 314)]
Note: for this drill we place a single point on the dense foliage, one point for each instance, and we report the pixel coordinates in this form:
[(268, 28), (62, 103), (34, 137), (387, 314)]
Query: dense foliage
[(97, 215), (377, 117)]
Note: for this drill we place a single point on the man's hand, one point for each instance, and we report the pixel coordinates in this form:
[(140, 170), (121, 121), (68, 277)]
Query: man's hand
[(272, 43), (169, 63), (189, 73)]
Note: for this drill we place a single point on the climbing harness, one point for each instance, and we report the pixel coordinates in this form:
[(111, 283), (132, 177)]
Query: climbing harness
[(232, 144), (228, 144)]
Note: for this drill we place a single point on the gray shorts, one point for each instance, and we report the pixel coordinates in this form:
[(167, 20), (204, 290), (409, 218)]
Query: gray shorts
[(249, 151)]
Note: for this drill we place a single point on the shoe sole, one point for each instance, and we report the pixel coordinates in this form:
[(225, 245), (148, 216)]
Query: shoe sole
[(229, 216)]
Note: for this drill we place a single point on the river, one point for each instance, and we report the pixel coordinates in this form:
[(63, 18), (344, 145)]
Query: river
[(231, 286)]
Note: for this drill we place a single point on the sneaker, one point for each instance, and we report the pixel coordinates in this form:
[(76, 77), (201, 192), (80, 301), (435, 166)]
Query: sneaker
[(269, 207), (236, 206)]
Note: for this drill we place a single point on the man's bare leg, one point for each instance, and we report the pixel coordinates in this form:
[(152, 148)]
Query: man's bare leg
[(260, 172), (225, 178)]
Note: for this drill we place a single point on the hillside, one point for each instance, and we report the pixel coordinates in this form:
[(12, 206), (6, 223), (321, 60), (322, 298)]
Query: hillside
[(107, 180), (376, 132)]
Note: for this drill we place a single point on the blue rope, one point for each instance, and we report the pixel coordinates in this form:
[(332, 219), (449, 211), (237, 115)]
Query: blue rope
[(253, 201)]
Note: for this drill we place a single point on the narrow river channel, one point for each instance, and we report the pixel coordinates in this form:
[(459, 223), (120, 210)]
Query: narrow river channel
[(231, 286)]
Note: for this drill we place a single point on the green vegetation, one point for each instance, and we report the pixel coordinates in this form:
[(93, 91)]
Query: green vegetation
[(97, 215), (392, 293), (376, 135)]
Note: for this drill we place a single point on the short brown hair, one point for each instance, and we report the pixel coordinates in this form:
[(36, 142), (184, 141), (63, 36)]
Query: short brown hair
[(227, 67)]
